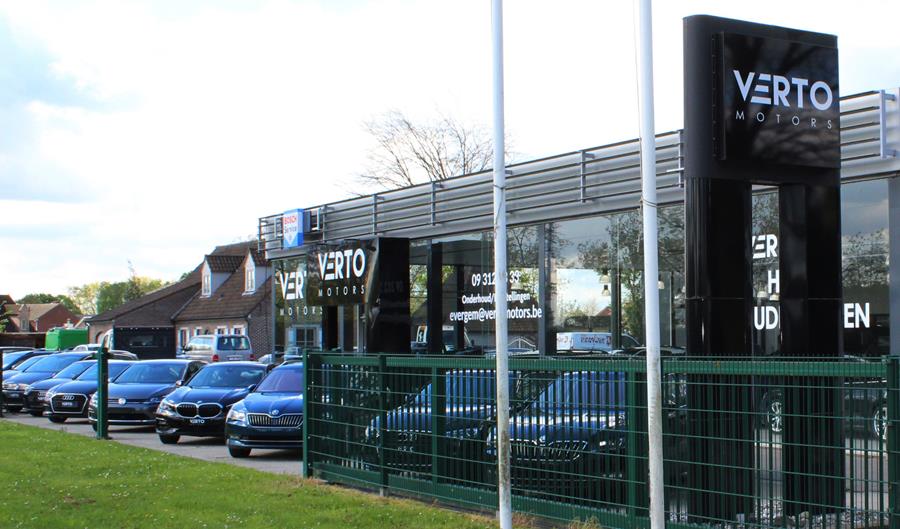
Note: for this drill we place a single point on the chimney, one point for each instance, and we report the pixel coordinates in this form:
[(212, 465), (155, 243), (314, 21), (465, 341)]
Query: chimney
[(24, 318)]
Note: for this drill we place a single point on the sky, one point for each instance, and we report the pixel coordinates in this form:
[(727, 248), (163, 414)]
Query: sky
[(149, 132)]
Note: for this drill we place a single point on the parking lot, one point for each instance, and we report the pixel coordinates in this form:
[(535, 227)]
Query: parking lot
[(206, 448)]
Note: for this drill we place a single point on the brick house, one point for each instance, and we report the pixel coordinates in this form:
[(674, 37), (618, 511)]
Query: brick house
[(235, 298), (211, 298), (38, 317)]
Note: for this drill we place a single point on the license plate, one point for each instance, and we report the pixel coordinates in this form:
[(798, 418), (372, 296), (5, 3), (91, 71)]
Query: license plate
[(13, 395), (234, 357), (198, 421), (67, 404)]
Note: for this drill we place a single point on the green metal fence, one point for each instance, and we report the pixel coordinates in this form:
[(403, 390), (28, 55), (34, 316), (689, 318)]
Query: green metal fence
[(771, 442)]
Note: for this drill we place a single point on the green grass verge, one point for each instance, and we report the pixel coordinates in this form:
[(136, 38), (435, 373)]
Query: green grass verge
[(58, 480)]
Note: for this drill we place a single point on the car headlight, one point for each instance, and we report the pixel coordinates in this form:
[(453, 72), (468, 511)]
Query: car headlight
[(9, 385), (94, 399), (25, 387), (237, 415), (50, 394), (167, 406)]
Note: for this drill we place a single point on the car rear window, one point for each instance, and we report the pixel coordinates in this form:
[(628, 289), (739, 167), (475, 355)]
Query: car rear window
[(233, 343)]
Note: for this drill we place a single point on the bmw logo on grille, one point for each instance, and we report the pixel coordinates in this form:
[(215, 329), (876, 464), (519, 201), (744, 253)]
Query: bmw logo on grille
[(275, 412), (122, 401)]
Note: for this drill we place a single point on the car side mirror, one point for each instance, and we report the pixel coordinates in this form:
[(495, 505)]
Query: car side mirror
[(251, 387), (179, 383)]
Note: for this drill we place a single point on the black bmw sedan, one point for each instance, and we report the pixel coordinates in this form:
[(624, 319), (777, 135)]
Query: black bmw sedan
[(199, 407)]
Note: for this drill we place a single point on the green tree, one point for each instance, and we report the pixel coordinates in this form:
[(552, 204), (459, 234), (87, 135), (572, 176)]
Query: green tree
[(66, 301), (85, 296)]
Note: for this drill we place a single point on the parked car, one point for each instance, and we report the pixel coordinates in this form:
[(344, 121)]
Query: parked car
[(14, 363), (219, 348), (14, 387), (864, 403), (87, 347), (271, 416), (69, 400), (199, 407), (36, 392), (135, 395), (278, 358)]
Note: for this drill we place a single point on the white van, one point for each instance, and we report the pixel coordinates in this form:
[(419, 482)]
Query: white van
[(219, 348)]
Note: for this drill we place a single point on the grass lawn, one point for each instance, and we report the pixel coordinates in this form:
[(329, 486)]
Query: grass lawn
[(54, 480)]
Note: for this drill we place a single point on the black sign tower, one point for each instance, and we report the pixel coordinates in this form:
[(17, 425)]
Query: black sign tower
[(761, 107)]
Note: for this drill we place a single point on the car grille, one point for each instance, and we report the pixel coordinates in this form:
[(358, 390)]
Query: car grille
[(555, 451), (262, 419), (57, 406), (35, 397), (190, 409)]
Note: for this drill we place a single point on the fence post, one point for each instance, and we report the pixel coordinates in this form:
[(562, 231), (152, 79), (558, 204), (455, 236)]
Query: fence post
[(631, 443), (305, 466), (893, 403), (438, 407), (382, 425)]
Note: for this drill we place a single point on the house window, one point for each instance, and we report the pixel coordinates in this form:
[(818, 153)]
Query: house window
[(184, 334), (237, 329), (249, 276), (221, 330), (206, 285), (198, 331)]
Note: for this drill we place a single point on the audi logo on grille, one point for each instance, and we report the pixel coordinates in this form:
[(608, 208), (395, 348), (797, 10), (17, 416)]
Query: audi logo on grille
[(68, 397)]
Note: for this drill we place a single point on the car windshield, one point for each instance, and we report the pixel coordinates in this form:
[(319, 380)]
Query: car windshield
[(113, 370), (29, 362), (233, 343), (11, 358), (152, 374), (227, 376), (73, 370), (282, 381), (53, 363)]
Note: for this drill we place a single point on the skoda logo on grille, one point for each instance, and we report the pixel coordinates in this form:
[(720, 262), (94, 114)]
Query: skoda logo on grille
[(121, 401), (275, 413), (68, 397)]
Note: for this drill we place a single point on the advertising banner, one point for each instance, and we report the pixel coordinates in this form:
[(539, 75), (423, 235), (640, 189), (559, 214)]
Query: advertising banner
[(339, 274)]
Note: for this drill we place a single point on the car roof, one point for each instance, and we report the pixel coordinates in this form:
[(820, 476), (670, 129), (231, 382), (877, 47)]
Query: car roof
[(163, 361), (242, 363)]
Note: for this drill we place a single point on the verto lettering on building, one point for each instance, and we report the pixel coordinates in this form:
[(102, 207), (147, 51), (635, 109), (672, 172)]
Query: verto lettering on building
[(338, 274), (766, 317)]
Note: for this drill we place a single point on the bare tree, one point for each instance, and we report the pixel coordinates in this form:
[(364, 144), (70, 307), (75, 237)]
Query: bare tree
[(408, 152)]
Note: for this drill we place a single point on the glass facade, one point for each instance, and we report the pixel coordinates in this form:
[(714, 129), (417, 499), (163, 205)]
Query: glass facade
[(578, 284)]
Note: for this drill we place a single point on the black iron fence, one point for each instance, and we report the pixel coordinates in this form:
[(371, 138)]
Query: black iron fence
[(772, 442)]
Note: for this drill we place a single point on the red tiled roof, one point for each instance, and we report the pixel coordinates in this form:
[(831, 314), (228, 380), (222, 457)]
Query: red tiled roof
[(228, 301)]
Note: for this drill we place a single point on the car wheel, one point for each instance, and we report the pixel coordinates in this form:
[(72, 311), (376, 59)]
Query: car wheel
[(57, 419), (774, 412), (879, 423), (169, 439), (36, 413), (238, 452)]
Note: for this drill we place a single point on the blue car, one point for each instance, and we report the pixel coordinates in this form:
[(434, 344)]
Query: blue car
[(199, 407), (468, 395), (574, 430), (135, 395), (20, 362), (15, 387), (35, 394), (69, 400), (271, 416)]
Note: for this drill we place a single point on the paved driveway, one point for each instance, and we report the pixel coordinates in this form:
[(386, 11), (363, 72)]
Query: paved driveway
[(205, 448)]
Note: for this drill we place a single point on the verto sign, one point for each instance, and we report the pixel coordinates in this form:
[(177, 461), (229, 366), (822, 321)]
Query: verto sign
[(779, 102), (338, 275)]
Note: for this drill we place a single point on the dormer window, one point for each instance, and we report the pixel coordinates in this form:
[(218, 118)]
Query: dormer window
[(249, 277), (206, 281)]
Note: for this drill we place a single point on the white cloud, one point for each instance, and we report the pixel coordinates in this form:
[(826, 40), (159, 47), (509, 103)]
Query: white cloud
[(204, 118)]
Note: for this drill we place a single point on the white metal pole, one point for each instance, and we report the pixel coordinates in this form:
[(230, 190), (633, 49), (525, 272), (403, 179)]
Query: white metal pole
[(500, 283), (644, 50)]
